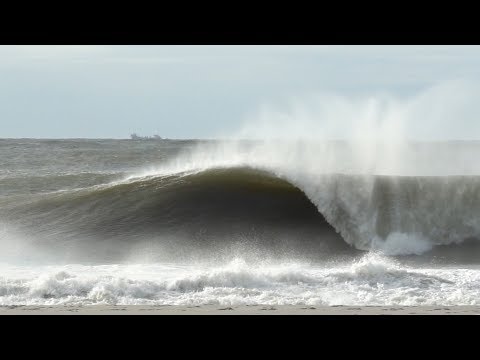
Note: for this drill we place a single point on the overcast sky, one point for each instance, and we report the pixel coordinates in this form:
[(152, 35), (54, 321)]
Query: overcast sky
[(207, 91)]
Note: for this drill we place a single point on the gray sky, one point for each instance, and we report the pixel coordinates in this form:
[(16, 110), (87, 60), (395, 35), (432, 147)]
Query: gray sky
[(207, 91)]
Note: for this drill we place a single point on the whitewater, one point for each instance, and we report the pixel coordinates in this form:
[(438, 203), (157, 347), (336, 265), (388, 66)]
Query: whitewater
[(373, 280)]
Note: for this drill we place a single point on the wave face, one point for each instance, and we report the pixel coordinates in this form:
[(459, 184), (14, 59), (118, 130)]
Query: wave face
[(219, 200), (215, 210), (399, 215)]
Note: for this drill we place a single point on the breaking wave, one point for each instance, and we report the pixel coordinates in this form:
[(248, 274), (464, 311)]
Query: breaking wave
[(210, 208)]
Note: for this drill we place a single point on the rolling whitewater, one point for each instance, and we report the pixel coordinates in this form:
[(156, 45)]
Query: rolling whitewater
[(185, 222)]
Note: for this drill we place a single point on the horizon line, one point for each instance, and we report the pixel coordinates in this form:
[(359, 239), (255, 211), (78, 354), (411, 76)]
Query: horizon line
[(221, 139)]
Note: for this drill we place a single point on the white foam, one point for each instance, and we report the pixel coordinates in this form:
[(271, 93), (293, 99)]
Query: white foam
[(372, 280)]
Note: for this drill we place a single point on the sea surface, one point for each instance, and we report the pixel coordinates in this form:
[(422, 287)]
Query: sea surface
[(237, 222)]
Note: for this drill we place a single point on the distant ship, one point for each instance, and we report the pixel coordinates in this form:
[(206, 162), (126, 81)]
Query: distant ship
[(154, 137)]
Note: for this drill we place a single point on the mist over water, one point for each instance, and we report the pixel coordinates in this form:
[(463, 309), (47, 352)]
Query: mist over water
[(326, 200)]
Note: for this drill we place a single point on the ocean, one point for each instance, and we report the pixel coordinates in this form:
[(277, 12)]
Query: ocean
[(239, 222)]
